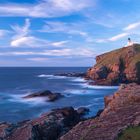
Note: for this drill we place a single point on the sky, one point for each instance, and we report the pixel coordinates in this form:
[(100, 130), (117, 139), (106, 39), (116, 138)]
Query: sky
[(64, 32)]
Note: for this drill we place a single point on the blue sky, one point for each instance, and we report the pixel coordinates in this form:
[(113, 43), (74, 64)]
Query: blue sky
[(64, 32)]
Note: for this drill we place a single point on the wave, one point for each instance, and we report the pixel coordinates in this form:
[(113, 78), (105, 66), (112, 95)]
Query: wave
[(73, 79), (77, 92), (86, 85), (92, 105), (44, 75), (31, 101), (51, 76), (88, 89), (79, 80)]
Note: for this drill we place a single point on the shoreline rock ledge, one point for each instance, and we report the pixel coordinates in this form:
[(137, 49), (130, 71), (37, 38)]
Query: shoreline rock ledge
[(116, 67), (122, 110), (49, 126)]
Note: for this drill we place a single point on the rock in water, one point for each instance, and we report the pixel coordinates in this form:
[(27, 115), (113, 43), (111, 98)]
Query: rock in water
[(82, 110), (50, 96), (118, 66), (72, 74)]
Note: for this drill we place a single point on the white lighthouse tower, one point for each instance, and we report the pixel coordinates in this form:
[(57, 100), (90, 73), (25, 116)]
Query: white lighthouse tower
[(130, 43)]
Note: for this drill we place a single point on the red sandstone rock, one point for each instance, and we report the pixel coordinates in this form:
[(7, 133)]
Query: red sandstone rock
[(122, 110), (116, 67)]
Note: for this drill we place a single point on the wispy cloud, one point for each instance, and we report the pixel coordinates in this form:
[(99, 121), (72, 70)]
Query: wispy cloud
[(33, 42), (45, 8), (22, 38), (22, 31), (29, 41), (21, 34), (119, 36), (132, 26), (38, 59), (128, 30), (107, 40), (55, 52), (64, 27), (3, 33), (59, 44)]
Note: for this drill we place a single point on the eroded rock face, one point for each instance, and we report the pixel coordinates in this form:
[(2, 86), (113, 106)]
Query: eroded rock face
[(115, 67), (122, 110), (49, 126)]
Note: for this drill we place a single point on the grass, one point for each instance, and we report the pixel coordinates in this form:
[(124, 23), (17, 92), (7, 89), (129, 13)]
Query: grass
[(131, 133), (114, 56), (93, 127)]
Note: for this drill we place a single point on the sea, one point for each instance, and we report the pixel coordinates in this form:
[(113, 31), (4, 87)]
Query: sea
[(17, 82)]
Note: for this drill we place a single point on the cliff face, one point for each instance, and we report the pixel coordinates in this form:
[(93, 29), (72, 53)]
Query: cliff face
[(118, 66), (121, 111)]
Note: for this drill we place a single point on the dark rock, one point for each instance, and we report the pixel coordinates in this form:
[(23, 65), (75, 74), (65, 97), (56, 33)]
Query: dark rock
[(50, 96), (45, 131), (99, 113), (50, 126), (82, 110), (73, 116), (3, 127), (72, 74)]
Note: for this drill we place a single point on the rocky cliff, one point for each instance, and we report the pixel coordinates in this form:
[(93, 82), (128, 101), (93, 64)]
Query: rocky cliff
[(118, 66), (122, 110)]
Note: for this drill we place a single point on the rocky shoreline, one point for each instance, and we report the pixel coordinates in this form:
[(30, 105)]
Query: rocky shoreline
[(122, 110), (49, 126)]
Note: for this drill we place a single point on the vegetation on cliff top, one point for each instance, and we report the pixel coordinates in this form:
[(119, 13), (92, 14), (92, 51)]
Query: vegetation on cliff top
[(116, 67), (131, 133), (112, 57)]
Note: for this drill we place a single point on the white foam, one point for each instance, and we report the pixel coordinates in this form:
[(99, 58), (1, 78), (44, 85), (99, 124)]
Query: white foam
[(44, 75), (32, 101), (91, 105), (77, 92), (86, 85), (37, 100), (97, 99), (79, 80), (51, 76)]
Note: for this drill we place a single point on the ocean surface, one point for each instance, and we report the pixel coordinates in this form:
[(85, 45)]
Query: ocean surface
[(17, 82)]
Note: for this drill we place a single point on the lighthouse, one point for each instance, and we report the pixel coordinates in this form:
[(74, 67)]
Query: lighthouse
[(130, 43)]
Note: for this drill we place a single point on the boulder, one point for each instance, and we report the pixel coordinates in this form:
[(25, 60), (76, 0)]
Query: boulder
[(82, 110), (48, 94)]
